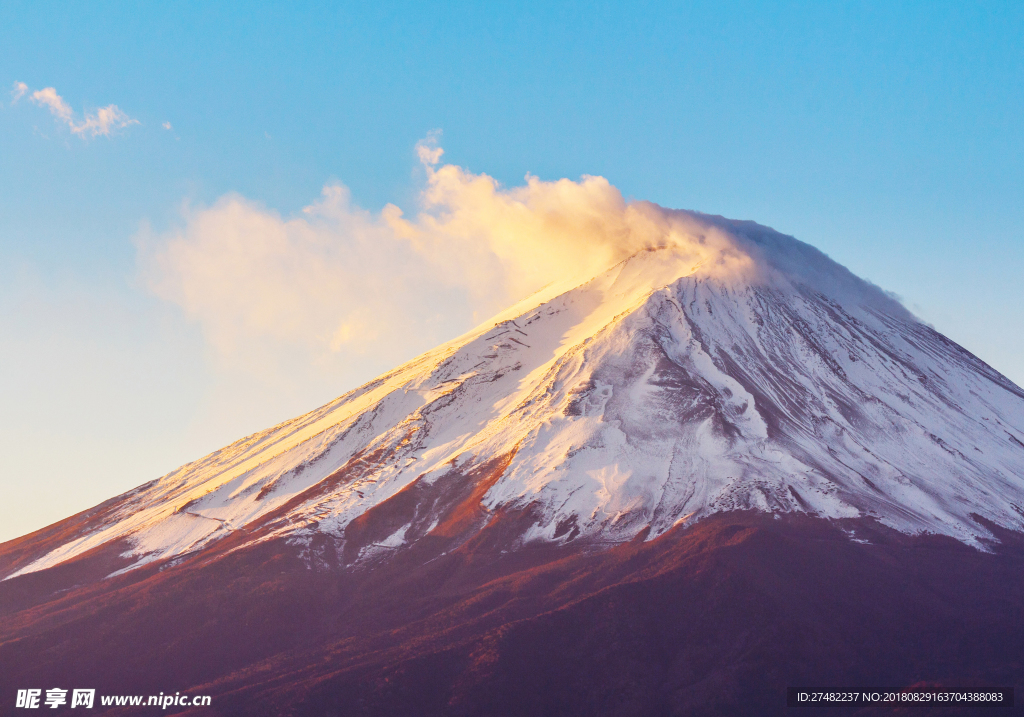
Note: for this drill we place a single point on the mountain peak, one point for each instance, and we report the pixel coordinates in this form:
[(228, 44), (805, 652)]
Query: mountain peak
[(724, 367)]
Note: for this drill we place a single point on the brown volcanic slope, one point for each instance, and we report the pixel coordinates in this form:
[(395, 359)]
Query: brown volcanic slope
[(716, 618)]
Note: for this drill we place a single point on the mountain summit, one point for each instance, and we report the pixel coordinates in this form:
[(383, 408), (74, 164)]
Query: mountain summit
[(730, 368)]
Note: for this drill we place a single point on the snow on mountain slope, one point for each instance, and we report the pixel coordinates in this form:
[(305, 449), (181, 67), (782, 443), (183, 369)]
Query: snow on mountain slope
[(728, 367)]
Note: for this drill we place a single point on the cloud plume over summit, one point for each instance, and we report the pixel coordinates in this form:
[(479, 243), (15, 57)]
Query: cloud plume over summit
[(339, 285)]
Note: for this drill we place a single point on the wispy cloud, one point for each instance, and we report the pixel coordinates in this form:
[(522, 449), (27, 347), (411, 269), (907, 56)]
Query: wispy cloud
[(60, 109), (20, 88), (167, 126), (428, 150), (102, 122)]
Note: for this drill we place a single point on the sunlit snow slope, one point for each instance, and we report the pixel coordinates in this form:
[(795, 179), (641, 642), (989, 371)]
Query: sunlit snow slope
[(730, 367)]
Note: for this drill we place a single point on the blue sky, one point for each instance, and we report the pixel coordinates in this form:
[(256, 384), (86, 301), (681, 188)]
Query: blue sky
[(889, 135)]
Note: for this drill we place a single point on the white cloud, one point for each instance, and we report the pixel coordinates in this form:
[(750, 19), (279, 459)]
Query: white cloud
[(49, 98), (346, 291), (20, 88), (102, 122), (331, 290), (428, 149), (167, 126)]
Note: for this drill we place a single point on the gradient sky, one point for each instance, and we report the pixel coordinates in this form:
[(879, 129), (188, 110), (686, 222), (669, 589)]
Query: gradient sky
[(887, 134)]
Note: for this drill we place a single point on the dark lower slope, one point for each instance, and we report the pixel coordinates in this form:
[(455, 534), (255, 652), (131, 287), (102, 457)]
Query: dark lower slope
[(717, 618)]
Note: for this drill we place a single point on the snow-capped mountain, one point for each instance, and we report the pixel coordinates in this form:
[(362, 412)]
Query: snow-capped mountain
[(729, 368)]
